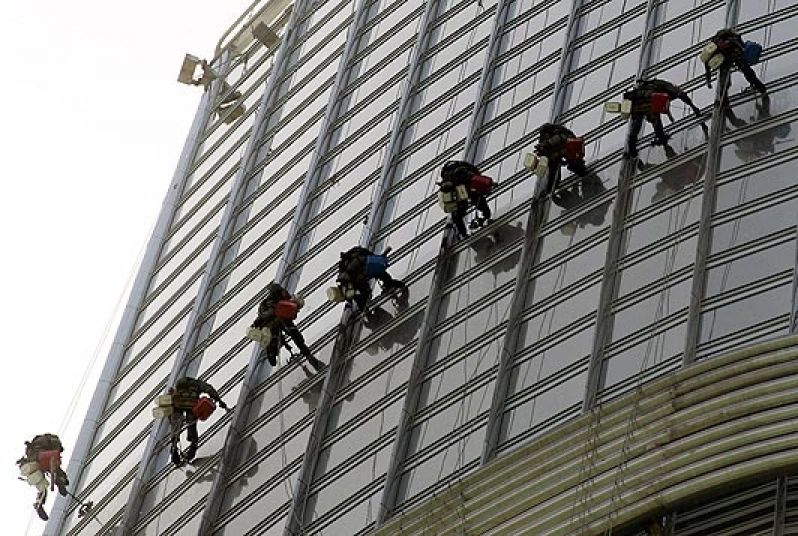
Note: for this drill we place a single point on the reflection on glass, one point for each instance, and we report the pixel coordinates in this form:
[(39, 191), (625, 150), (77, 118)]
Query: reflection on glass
[(762, 143), (580, 192), (543, 408), (400, 336), (309, 395), (487, 246), (749, 311), (741, 272), (641, 359), (674, 179), (248, 447)]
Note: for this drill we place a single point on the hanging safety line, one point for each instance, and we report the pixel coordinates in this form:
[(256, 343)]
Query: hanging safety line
[(460, 418), (662, 304), (664, 297), (743, 191), (663, 301), (432, 183), (421, 224)]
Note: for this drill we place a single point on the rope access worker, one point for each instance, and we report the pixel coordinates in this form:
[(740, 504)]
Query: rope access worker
[(461, 187), (357, 267), (277, 313), (43, 456), (561, 147), (191, 407), (650, 99), (727, 49)]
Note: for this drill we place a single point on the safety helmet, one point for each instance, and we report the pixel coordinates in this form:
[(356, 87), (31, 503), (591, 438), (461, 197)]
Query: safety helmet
[(547, 127), (449, 167)]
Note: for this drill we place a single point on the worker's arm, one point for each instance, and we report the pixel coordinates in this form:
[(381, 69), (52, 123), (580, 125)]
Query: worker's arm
[(685, 98), (210, 391)]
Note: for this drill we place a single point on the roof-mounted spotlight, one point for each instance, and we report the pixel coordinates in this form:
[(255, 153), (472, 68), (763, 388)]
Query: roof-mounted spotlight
[(235, 112), (265, 35), (228, 104), (189, 68)]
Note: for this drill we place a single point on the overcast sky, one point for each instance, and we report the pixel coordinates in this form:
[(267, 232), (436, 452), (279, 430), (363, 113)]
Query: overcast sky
[(93, 124)]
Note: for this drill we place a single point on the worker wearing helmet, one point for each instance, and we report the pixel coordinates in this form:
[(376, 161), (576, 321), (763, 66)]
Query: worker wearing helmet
[(43, 457), (357, 267), (270, 318), (185, 395), (642, 97)]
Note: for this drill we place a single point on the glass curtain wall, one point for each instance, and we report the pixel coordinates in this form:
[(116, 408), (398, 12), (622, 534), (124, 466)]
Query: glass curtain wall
[(108, 471), (623, 256)]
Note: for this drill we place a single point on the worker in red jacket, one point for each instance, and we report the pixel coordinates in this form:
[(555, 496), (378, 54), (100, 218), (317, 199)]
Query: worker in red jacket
[(553, 144)]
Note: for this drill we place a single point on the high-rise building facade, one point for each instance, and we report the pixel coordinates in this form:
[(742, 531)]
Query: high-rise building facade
[(536, 379)]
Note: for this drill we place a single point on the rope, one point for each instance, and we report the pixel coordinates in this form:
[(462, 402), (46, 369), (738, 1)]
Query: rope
[(528, 114), (742, 193), (375, 189), (664, 302), (664, 297), (443, 140), (462, 409), (77, 394), (283, 452), (165, 487)]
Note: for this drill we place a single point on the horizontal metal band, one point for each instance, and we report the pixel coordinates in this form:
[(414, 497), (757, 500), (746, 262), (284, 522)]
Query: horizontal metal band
[(724, 419)]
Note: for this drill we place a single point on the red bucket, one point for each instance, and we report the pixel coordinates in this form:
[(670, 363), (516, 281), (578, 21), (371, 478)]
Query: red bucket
[(481, 184), (286, 310), (660, 103), (574, 149), (49, 459), (203, 408)]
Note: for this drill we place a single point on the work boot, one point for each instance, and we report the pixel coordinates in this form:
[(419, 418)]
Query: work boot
[(61, 487), (272, 359), (190, 452), (764, 108), (40, 511), (315, 363), (660, 140), (177, 459), (393, 286)]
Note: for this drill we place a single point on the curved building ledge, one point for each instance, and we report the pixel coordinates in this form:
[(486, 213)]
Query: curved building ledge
[(729, 418)]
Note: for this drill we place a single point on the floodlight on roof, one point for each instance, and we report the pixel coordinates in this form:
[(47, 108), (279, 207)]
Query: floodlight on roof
[(187, 70), (265, 35), (236, 112)]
